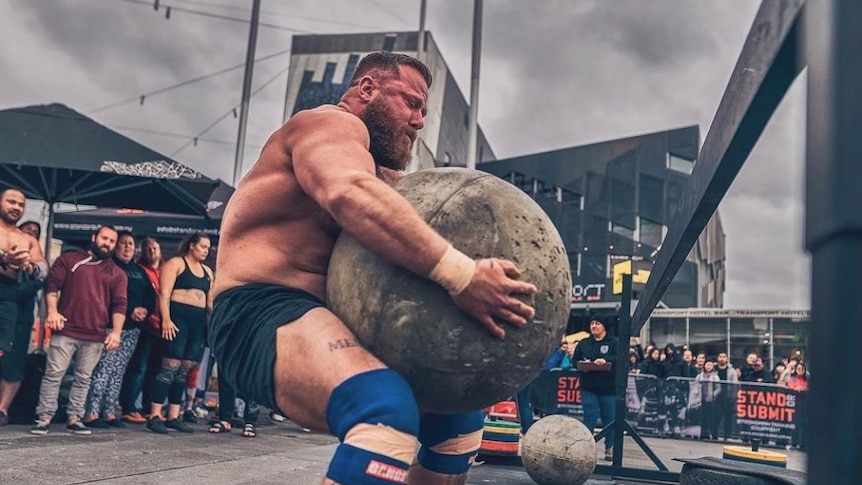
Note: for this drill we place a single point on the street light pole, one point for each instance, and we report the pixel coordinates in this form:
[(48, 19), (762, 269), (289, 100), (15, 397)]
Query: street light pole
[(473, 129), (246, 91)]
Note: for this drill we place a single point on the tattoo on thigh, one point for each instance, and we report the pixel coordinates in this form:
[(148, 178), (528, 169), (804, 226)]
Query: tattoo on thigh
[(344, 343)]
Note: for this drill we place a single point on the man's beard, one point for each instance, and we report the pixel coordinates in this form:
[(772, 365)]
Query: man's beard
[(8, 218), (386, 146), (98, 252)]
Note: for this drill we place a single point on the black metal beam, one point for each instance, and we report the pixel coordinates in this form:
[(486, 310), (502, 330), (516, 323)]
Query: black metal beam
[(764, 72), (621, 373), (833, 41)]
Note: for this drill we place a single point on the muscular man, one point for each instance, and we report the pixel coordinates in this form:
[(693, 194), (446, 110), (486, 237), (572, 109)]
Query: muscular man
[(270, 330), (20, 259)]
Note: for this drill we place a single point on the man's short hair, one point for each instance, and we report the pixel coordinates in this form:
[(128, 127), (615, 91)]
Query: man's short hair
[(124, 233), (7, 189), (388, 62), (104, 226)]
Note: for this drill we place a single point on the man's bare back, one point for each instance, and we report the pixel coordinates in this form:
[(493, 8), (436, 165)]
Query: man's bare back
[(272, 231)]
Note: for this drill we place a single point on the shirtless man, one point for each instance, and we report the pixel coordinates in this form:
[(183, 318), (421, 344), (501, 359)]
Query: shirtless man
[(270, 330), (19, 252)]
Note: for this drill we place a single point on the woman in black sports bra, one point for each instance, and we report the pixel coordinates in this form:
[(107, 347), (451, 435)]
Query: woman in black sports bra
[(184, 303)]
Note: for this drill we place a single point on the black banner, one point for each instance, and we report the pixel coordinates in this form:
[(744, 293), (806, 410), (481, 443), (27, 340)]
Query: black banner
[(769, 412), (684, 408)]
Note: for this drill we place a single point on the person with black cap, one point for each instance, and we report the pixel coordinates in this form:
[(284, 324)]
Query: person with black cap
[(597, 380)]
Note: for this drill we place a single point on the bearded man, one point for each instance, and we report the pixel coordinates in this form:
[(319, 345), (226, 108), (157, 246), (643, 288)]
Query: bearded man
[(92, 291), (270, 330), (21, 260)]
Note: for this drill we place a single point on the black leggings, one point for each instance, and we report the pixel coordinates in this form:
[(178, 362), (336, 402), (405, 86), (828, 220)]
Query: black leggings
[(189, 342), (180, 354)]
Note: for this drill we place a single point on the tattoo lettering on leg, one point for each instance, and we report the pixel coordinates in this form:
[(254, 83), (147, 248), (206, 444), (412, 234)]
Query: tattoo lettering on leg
[(344, 343)]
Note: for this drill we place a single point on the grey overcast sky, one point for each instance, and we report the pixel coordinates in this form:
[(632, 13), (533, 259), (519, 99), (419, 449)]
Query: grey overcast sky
[(555, 73)]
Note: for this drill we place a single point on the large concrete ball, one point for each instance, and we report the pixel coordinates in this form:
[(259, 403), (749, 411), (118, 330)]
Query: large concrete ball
[(410, 323), (559, 450)]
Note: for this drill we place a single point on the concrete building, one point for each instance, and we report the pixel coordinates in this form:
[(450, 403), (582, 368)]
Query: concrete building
[(321, 67)]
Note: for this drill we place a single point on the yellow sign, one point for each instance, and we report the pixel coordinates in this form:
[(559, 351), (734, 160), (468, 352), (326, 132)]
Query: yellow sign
[(639, 276)]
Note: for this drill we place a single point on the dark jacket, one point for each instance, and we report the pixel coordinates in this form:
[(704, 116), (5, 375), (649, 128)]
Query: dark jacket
[(653, 368), (597, 382), (140, 292)]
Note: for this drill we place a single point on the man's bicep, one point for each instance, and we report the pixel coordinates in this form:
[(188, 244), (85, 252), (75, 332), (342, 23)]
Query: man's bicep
[(327, 152)]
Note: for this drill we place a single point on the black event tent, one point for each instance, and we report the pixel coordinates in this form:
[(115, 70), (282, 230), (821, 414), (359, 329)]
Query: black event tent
[(76, 228), (56, 154)]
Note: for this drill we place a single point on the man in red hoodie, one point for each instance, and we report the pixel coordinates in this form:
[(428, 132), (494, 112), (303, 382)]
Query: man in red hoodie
[(92, 292)]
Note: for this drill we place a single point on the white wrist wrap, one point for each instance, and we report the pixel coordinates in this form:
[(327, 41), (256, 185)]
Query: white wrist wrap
[(454, 271)]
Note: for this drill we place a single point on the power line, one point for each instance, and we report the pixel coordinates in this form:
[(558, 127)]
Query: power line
[(229, 112), (282, 14), (213, 15), (390, 12), (140, 98), (176, 135)]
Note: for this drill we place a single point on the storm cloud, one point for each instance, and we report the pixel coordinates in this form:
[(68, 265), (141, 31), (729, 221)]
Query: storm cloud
[(555, 73)]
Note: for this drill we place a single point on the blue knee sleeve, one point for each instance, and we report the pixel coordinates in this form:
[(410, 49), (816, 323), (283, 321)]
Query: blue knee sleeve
[(436, 429), (376, 397)]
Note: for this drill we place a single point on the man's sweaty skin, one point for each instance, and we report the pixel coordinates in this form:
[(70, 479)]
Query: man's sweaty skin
[(315, 176), (335, 185)]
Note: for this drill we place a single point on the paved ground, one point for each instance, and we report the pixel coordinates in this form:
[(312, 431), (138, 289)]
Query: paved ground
[(281, 454)]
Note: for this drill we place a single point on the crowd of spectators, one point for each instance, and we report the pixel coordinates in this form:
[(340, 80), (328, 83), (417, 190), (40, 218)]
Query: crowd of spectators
[(127, 332)]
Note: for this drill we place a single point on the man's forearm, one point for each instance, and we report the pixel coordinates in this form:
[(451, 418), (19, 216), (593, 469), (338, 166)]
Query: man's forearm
[(118, 320), (51, 302), (383, 221)]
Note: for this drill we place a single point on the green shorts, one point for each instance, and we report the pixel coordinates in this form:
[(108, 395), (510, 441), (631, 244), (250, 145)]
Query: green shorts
[(242, 330)]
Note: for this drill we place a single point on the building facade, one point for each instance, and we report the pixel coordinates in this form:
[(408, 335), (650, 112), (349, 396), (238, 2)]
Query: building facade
[(321, 67), (612, 202), (771, 334)]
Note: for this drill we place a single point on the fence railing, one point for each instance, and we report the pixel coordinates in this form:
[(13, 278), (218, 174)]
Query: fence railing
[(685, 408)]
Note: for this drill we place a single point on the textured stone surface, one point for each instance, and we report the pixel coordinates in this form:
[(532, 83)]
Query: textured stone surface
[(559, 450), (411, 324)]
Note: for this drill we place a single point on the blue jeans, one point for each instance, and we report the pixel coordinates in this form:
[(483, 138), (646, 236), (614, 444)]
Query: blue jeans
[(525, 411), (594, 405)]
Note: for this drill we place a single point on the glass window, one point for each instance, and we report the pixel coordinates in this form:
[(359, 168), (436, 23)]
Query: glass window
[(708, 335), (569, 197), (598, 194), (623, 168), (666, 330), (679, 164), (651, 197), (622, 230), (570, 227), (594, 267), (790, 337), (623, 203), (675, 188), (652, 233), (748, 335), (621, 245)]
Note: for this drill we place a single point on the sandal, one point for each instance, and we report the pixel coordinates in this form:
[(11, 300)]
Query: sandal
[(220, 427), (249, 431)]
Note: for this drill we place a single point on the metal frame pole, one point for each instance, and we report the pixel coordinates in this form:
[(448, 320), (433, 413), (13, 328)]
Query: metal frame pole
[(833, 41)]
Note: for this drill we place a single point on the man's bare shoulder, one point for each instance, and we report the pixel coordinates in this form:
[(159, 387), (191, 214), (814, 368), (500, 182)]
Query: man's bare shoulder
[(325, 120)]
